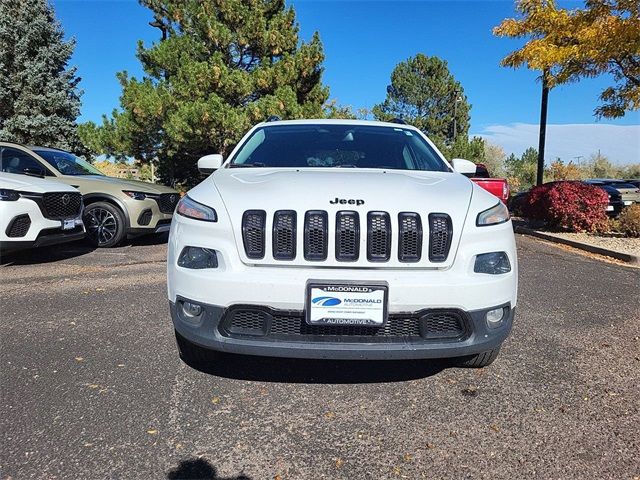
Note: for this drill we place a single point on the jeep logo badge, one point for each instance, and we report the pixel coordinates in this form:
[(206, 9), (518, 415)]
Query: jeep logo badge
[(66, 199), (345, 201)]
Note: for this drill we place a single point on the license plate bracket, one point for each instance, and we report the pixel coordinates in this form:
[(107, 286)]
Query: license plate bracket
[(346, 303), (69, 224)]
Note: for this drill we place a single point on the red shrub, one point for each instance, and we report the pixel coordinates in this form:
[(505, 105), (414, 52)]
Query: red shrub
[(569, 205)]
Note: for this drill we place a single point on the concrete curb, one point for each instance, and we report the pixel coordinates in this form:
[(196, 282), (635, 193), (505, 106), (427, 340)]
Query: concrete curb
[(625, 257)]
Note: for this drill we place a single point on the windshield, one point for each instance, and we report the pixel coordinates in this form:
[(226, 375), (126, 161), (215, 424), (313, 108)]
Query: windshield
[(67, 163), (346, 146)]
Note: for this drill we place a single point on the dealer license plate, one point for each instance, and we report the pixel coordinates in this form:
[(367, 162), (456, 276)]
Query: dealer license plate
[(348, 303), (68, 224)]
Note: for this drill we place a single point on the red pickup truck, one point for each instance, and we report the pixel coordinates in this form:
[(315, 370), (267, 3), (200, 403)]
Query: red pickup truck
[(498, 186)]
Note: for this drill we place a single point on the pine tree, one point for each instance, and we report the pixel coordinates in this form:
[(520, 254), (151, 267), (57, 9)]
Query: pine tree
[(39, 98), (424, 93), (220, 67)]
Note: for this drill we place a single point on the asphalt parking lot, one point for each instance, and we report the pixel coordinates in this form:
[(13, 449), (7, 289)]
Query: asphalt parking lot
[(92, 386)]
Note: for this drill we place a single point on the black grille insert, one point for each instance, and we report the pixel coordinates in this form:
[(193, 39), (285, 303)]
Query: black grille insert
[(61, 205), (442, 324), (253, 222), (145, 217), (347, 236), (440, 233), (19, 226), (284, 235), (378, 236), (426, 325), (409, 237), (247, 321), (315, 235), (167, 202)]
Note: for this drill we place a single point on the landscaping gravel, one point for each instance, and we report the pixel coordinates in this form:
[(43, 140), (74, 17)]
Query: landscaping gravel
[(623, 245)]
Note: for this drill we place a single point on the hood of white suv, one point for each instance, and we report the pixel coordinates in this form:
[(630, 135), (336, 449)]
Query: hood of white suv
[(337, 189), (104, 184), (24, 183)]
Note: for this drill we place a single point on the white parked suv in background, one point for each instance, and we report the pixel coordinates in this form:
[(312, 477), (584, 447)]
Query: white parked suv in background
[(341, 239), (36, 212)]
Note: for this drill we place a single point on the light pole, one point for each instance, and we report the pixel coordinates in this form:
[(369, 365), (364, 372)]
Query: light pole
[(543, 127), (455, 114)]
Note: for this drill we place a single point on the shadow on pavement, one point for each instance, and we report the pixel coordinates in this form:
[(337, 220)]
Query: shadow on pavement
[(198, 469), (295, 370), (53, 253), (151, 239)]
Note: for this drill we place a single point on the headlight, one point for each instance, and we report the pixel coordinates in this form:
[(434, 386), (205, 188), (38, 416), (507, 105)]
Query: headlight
[(192, 209), (135, 195), (8, 195), (493, 216)]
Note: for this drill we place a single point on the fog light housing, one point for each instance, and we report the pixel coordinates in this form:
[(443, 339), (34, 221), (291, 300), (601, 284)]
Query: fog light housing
[(495, 317), (494, 263), (197, 258), (191, 310)]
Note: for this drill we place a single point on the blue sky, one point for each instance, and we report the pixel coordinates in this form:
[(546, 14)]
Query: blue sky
[(363, 42)]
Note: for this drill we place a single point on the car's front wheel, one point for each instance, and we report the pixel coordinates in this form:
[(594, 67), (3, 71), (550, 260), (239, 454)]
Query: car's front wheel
[(105, 224)]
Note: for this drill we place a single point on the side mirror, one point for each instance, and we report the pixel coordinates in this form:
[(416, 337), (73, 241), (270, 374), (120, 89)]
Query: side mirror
[(210, 163), (463, 166)]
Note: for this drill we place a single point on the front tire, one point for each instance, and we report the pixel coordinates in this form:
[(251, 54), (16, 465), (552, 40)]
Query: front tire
[(105, 224), (480, 360)]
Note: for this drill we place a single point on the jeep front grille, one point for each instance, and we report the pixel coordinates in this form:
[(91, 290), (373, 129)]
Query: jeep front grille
[(58, 206), (347, 232), (316, 235), (284, 235), (347, 236), (253, 233), (439, 236)]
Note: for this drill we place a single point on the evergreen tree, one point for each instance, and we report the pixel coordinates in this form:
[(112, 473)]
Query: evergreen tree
[(424, 93), (220, 67), (39, 98)]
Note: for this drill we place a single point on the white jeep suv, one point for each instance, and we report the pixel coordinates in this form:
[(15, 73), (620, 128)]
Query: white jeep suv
[(35, 212), (345, 240)]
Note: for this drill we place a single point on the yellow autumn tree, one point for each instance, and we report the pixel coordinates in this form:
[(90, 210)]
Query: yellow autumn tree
[(603, 37)]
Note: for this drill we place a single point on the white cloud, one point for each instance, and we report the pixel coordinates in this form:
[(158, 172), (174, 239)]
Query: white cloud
[(620, 143)]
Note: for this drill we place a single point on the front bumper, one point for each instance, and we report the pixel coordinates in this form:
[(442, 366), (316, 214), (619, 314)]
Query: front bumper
[(209, 331), (46, 237)]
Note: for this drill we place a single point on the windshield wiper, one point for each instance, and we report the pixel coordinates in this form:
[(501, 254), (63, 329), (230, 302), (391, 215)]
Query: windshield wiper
[(247, 165)]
